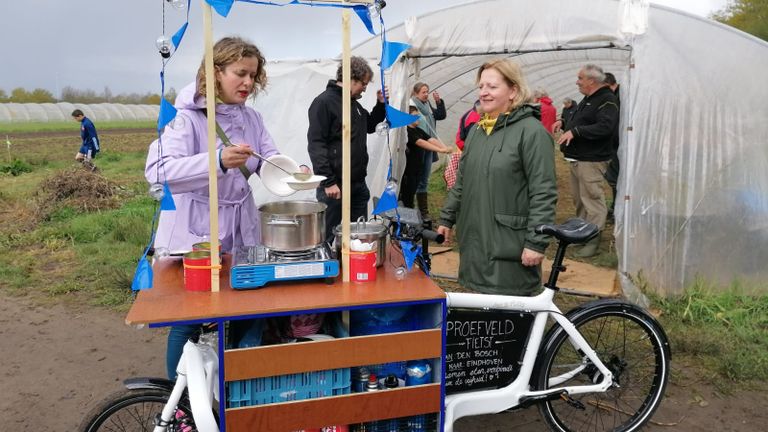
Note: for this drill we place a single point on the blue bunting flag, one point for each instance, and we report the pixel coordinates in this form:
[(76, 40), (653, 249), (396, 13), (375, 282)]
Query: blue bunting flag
[(167, 113), (176, 39), (221, 7), (364, 13), (388, 200), (142, 279), (410, 252), (398, 118), (390, 52), (167, 202)]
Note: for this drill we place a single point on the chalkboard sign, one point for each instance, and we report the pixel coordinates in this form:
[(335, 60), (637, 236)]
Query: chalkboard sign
[(483, 348)]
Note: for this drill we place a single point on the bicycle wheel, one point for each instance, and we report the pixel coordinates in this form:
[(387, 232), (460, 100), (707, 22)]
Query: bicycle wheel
[(632, 345), (135, 410)]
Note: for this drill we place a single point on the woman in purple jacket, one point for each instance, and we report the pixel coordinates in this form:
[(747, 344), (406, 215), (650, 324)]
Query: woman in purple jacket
[(180, 158)]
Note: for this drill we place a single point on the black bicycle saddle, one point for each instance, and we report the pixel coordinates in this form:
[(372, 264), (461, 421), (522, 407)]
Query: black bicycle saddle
[(573, 230)]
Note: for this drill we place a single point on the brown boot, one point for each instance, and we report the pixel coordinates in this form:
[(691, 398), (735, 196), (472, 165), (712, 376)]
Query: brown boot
[(421, 199)]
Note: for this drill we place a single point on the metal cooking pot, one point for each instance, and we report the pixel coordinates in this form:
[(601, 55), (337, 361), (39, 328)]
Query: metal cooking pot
[(367, 232), (292, 225)]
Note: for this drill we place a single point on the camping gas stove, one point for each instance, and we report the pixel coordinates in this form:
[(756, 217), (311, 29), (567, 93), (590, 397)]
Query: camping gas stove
[(255, 266)]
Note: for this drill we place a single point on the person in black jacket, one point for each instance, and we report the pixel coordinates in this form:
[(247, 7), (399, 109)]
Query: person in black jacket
[(569, 107), (612, 174), (587, 144), (324, 143)]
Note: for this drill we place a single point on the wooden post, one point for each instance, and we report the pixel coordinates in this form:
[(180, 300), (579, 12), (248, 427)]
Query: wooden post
[(346, 134), (210, 98)]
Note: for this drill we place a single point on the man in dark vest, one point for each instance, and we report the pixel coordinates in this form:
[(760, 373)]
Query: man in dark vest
[(587, 143)]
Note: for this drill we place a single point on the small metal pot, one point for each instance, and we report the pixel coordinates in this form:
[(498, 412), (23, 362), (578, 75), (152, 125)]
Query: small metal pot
[(292, 225), (367, 232)]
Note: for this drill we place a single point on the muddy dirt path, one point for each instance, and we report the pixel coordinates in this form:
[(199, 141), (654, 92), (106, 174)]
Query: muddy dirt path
[(61, 359)]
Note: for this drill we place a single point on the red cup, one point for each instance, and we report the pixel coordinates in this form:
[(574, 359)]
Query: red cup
[(197, 271), (362, 266)]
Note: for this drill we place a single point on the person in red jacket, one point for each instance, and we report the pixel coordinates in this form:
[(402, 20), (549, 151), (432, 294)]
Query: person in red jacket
[(548, 111), (469, 118)]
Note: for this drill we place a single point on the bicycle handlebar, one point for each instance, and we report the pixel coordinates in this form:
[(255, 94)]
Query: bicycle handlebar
[(432, 235)]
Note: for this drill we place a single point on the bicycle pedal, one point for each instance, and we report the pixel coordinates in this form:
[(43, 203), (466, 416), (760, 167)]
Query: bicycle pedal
[(572, 402)]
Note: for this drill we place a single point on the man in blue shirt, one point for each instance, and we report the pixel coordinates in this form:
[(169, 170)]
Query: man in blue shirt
[(90, 147)]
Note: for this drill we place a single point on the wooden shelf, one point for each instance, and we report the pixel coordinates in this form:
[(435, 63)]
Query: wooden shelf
[(285, 359), (337, 410)]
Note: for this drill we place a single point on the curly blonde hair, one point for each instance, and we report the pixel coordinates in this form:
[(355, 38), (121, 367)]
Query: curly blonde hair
[(230, 50)]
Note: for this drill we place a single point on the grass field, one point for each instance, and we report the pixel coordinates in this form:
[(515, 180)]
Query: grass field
[(66, 233), (31, 127)]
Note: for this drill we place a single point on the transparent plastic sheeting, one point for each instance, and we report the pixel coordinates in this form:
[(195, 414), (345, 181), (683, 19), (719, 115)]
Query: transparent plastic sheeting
[(695, 163), (62, 111)]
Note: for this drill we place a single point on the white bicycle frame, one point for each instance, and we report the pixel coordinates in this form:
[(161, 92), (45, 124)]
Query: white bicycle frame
[(456, 406), (496, 400), (199, 368)]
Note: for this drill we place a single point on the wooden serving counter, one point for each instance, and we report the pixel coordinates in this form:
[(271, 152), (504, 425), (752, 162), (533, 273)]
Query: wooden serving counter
[(168, 303)]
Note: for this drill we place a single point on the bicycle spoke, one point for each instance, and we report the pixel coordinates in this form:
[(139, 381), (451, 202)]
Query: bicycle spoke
[(628, 348)]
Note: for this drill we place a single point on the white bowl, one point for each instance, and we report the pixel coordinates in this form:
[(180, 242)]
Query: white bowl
[(310, 183), (272, 177)]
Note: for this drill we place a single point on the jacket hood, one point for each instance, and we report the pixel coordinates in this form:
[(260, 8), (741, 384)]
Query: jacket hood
[(545, 100), (187, 98)]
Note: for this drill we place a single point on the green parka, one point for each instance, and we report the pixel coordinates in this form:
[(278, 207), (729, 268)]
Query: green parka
[(505, 187)]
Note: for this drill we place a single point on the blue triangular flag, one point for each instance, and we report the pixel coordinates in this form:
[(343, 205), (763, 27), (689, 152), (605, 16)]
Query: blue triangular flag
[(167, 113), (176, 39), (221, 7), (391, 52), (388, 200), (167, 202), (365, 15), (142, 279), (410, 252), (398, 118)]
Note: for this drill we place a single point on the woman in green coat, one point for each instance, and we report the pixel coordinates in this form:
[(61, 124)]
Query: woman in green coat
[(505, 187)]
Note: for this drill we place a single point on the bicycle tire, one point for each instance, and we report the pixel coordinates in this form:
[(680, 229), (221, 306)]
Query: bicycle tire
[(135, 410), (641, 371)]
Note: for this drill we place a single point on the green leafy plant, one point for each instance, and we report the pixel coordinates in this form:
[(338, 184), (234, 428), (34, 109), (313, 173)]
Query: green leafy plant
[(16, 168)]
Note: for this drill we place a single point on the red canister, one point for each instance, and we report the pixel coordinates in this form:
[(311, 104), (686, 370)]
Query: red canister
[(362, 266), (197, 270)]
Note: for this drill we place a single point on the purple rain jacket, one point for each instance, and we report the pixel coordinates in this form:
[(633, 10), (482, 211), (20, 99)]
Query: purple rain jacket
[(182, 161)]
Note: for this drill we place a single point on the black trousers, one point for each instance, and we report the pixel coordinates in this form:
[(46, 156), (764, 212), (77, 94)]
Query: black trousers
[(360, 195), (408, 187)]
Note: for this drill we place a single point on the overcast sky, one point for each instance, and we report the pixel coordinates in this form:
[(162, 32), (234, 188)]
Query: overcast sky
[(93, 44)]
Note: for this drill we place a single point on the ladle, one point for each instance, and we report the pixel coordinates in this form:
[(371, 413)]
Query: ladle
[(300, 176)]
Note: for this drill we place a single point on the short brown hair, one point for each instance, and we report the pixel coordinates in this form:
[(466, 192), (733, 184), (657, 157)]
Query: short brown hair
[(513, 75), (229, 50)]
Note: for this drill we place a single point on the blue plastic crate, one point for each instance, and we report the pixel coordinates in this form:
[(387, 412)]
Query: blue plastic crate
[(284, 388)]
